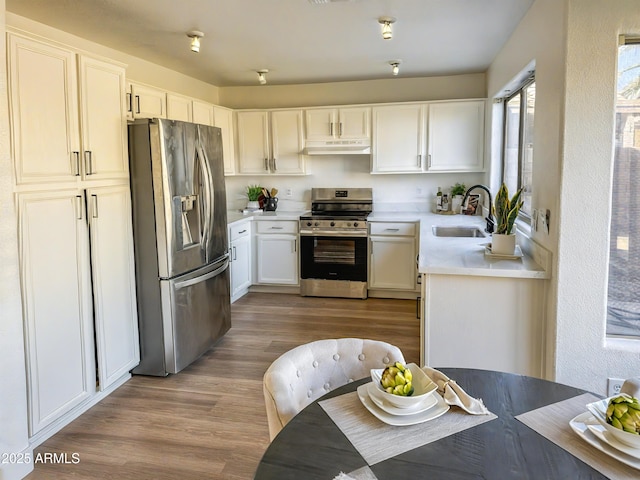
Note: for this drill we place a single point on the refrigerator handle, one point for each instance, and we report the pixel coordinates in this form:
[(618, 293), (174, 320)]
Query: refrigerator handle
[(211, 274), (208, 196)]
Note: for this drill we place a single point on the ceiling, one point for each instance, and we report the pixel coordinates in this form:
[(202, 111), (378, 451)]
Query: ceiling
[(298, 41)]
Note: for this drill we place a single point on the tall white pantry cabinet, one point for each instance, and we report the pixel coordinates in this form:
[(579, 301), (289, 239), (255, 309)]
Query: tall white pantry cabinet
[(69, 147)]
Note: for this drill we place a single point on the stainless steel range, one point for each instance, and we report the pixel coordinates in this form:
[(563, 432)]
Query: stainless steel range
[(333, 238)]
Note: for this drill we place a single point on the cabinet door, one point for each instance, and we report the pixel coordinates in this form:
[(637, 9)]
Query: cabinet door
[(287, 142), (148, 102), (393, 263), (223, 118), (114, 287), (203, 113), (44, 111), (179, 108), (278, 259), (56, 296), (354, 123), (321, 124), (398, 139), (240, 264), (103, 116), (456, 136), (253, 142)]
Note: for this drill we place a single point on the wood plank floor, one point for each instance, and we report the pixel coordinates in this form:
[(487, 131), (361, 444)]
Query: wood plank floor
[(209, 421)]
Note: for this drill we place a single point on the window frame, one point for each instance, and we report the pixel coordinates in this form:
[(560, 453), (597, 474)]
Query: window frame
[(519, 90)]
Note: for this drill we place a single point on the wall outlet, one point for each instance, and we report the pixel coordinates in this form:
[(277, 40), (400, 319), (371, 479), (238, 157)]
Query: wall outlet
[(419, 192), (613, 386), (289, 192)]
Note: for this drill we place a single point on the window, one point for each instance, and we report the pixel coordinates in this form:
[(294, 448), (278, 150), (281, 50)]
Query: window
[(623, 299), (517, 156)]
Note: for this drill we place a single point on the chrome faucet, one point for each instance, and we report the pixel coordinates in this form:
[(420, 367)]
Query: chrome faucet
[(489, 218)]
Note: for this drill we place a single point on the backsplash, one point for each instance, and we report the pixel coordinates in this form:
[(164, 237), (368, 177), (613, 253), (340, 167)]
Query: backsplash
[(391, 192)]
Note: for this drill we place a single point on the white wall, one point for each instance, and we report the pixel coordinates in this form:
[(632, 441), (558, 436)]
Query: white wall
[(390, 192), (13, 395), (539, 38), (584, 356)]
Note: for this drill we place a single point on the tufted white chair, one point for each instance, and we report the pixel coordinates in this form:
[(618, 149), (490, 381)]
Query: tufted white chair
[(305, 373)]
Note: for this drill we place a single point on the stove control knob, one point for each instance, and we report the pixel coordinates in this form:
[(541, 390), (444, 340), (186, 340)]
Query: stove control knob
[(355, 224), (333, 224), (348, 224), (317, 224), (308, 224)]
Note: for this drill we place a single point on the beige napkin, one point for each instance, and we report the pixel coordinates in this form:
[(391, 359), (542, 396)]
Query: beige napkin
[(363, 473), (453, 393)]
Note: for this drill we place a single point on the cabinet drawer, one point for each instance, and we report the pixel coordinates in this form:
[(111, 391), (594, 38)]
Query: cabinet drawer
[(239, 230), (277, 226), (392, 228)]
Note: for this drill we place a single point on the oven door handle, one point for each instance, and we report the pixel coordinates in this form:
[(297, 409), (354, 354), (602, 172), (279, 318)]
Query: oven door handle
[(333, 234)]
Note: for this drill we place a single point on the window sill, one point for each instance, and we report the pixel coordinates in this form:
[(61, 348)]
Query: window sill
[(623, 344)]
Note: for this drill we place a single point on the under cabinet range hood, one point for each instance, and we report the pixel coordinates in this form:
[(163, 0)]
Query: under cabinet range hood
[(338, 147)]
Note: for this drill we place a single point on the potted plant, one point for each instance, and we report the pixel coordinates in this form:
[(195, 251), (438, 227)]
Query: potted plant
[(253, 194), (505, 211), (457, 193)]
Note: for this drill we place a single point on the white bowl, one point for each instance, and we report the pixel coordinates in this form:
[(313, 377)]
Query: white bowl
[(422, 387), (599, 411)]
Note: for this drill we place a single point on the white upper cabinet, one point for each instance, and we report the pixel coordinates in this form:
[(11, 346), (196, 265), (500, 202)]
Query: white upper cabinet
[(398, 144), (179, 107), (223, 118), (350, 123), (203, 113), (270, 142), (46, 101), (44, 111), (103, 119), (147, 102), (456, 136)]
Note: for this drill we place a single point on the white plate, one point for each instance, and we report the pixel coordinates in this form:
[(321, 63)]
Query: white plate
[(580, 425), (516, 254), (425, 404), (440, 408), (601, 434)]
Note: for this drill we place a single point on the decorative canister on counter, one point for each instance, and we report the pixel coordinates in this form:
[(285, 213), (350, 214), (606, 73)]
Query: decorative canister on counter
[(271, 204)]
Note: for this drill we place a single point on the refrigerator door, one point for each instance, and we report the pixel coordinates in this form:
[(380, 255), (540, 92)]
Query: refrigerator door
[(189, 195), (195, 313)]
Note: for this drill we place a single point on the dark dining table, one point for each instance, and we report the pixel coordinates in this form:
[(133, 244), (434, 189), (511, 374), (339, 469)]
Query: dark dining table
[(311, 446)]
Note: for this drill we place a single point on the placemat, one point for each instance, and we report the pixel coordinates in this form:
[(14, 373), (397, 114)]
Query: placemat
[(552, 422), (376, 441), (363, 473)]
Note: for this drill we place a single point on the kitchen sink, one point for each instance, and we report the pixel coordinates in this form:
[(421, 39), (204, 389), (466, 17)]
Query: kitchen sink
[(457, 231)]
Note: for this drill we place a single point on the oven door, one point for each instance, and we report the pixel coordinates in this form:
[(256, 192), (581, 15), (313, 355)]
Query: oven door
[(333, 257)]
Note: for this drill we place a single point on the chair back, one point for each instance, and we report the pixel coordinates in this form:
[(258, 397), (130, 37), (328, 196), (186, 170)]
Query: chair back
[(305, 373)]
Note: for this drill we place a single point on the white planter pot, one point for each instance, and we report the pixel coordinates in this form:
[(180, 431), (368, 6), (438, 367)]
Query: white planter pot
[(502, 244), (253, 205), (456, 203)]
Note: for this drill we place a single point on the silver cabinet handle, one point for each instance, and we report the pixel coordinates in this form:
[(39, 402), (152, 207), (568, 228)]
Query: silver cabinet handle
[(391, 229), (229, 254), (277, 228), (429, 161), (331, 129), (94, 208), (295, 245), (79, 207), (137, 103), (76, 156), (420, 160), (234, 254), (275, 167), (88, 162), (266, 164), (129, 105), (340, 131), (242, 231)]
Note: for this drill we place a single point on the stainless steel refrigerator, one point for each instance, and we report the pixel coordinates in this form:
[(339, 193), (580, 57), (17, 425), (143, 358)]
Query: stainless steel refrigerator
[(180, 238)]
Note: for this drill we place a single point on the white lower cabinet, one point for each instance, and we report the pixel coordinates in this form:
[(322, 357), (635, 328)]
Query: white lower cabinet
[(78, 293), (393, 255), (240, 259), (277, 252)]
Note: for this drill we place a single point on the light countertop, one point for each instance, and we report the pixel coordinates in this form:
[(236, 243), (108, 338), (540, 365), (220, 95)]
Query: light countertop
[(461, 255), (441, 255)]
